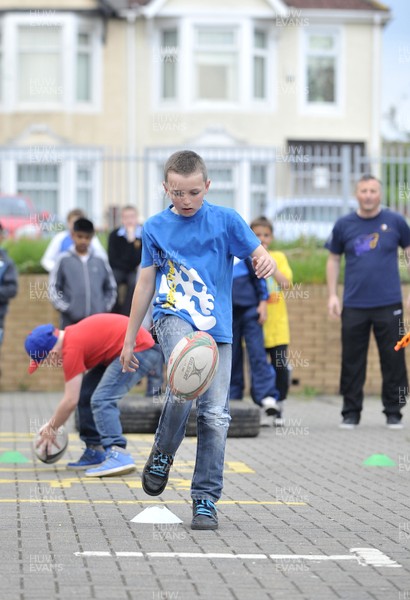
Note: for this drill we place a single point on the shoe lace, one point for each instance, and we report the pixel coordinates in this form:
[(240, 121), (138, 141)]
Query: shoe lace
[(205, 507), (161, 464)]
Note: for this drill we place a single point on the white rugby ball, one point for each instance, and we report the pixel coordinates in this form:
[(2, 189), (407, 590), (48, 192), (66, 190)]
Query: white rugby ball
[(192, 365), (56, 452)]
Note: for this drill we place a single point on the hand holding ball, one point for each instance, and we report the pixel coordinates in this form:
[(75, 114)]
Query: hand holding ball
[(51, 450)]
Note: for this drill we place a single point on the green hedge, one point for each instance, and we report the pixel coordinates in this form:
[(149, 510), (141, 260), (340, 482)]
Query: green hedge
[(27, 253), (307, 258)]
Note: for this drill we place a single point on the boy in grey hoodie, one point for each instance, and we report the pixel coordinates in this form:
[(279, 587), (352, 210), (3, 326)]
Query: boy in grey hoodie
[(81, 284)]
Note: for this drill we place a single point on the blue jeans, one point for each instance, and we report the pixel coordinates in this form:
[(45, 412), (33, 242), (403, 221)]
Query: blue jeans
[(212, 415), (102, 387)]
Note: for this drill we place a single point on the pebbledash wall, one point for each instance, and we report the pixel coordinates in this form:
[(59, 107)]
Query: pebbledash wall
[(314, 352)]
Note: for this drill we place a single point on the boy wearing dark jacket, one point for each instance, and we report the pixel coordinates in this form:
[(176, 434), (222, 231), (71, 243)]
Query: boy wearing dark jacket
[(8, 283), (124, 255), (81, 284), (249, 296)]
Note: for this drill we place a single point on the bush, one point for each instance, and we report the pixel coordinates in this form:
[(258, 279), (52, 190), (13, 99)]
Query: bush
[(27, 253), (307, 258)]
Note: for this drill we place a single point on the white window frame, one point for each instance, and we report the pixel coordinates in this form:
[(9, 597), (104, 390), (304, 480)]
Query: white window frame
[(337, 107), (185, 77), (68, 161), (158, 61), (1, 62), (264, 53), (71, 25)]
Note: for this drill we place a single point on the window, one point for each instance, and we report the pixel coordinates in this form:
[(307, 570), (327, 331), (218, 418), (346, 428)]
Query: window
[(52, 61), (1, 64), (169, 57), (223, 186), (216, 64), (259, 189), (322, 68), (260, 61), (41, 184), (39, 65), (84, 188), (84, 67)]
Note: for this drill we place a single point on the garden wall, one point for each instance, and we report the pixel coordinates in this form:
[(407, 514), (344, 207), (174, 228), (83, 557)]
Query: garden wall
[(314, 352)]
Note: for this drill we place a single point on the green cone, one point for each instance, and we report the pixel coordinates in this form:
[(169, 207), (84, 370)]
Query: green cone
[(379, 460), (13, 457)]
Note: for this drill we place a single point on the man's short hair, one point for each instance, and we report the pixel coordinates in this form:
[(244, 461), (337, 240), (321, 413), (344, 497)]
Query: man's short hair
[(185, 162), (369, 177), (84, 225)]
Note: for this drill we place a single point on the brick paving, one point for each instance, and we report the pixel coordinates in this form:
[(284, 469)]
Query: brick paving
[(292, 493)]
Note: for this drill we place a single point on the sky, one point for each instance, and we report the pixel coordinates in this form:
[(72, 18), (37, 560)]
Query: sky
[(396, 61)]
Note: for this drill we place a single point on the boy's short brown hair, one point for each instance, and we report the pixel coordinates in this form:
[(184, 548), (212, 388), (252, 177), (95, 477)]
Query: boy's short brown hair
[(185, 162), (262, 222)]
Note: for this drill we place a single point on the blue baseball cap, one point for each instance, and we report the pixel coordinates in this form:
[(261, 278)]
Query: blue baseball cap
[(39, 343)]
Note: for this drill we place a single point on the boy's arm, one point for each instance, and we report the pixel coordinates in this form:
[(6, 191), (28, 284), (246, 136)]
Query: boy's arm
[(9, 286), (407, 262), (49, 257), (63, 410), (110, 287), (144, 290), (55, 287), (263, 263), (284, 279), (332, 278)]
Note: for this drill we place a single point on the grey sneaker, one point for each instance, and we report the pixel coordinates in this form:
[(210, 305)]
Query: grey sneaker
[(394, 422), (204, 515), (349, 423)]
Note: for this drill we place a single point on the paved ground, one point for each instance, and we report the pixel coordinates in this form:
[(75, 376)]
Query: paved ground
[(301, 516)]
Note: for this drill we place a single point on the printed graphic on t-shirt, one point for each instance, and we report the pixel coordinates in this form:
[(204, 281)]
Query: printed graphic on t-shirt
[(273, 290), (365, 243), (185, 290)]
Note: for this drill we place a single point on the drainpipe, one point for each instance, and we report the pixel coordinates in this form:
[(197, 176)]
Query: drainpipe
[(131, 16), (376, 91)]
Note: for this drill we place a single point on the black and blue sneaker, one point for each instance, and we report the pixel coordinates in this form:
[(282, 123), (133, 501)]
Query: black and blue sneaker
[(204, 515), (156, 472)]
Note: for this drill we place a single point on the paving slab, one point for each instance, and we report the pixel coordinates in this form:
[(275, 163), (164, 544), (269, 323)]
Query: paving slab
[(301, 518)]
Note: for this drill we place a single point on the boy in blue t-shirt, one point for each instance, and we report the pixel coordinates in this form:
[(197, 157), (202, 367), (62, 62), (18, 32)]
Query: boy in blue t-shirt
[(187, 260)]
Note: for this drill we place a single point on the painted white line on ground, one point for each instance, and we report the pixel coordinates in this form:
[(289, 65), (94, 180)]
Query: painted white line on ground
[(92, 553), (374, 557), (364, 556)]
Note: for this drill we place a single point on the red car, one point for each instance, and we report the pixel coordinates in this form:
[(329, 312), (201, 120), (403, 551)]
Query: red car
[(19, 217)]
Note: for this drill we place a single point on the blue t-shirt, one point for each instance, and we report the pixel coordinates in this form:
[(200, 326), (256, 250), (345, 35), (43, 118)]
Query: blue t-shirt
[(370, 247), (194, 260)]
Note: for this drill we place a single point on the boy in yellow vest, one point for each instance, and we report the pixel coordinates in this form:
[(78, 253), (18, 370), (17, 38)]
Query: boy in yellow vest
[(276, 326)]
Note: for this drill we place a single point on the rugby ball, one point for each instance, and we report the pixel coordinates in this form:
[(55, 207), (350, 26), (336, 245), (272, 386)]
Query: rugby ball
[(56, 452), (192, 365)]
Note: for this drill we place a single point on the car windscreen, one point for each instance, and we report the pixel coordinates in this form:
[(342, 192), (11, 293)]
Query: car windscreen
[(13, 207)]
